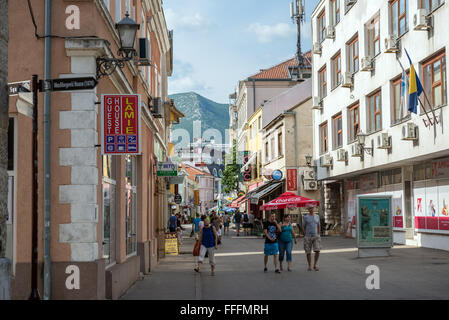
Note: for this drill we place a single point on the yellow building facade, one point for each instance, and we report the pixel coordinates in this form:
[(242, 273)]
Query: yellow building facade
[(254, 135)]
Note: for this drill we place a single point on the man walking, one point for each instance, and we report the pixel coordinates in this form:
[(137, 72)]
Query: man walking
[(238, 220), (312, 240), (271, 228)]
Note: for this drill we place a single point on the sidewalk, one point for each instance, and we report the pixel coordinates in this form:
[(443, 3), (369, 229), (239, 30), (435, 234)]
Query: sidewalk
[(410, 273)]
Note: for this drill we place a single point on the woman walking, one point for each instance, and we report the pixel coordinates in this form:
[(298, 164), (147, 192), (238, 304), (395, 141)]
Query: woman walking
[(286, 242), (208, 240)]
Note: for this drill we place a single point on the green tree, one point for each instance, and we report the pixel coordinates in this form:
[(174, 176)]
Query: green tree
[(231, 173)]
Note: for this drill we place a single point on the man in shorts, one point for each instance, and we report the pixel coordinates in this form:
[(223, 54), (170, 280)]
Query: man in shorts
[(312, 240)]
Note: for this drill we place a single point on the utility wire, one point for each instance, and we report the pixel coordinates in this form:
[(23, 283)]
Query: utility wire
[(49, 36)]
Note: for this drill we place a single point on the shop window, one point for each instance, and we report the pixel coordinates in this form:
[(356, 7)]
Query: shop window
[(434, 81), (375, 112), (109, 209), (131, 204), (389, 177), (399, 17), (337, 131), (422, 171), (353, 54)]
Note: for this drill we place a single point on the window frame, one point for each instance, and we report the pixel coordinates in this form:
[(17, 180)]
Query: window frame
[(397, 82), (442, 82), (321, 19), (337, 134), (352, 56), (336, 70), (377, 111), (430, 9), (280, 144), (352, 123), (324, 137), (399, 17), (322, 76), (372, 39), (335, 9)]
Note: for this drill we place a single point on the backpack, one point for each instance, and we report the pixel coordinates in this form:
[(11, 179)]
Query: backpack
[(245, 217)]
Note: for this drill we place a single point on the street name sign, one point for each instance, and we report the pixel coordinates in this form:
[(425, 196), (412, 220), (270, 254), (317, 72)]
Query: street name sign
[(120, 124), (68, 84), (14, 88)]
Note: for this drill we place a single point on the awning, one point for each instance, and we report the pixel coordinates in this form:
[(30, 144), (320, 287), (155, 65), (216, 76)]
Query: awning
[(265, 192), (237, 202), (289, 200)]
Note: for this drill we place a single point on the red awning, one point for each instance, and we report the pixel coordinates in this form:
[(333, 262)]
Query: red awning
[(289, 200), (237, 202)]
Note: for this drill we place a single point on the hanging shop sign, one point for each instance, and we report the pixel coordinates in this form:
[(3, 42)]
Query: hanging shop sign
[(171, 244), (167, 169), (292, 180), (120, 124), (374, 222), (277, 175), (178, 199)]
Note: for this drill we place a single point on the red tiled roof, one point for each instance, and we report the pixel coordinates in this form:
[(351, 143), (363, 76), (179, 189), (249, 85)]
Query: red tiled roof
[(192, 172), (280, 71)]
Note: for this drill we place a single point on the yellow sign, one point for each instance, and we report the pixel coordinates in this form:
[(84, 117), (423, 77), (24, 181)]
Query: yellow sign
[(171, 244)]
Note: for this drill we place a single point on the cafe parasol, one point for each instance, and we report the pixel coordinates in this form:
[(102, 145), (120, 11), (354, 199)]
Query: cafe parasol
[(289, 200)]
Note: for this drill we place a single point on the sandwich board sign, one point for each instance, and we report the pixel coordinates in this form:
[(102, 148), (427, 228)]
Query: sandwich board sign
[(120, 124)]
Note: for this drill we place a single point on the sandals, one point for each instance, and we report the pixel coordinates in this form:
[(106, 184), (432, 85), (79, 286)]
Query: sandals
[(316, 268), (277, 271)]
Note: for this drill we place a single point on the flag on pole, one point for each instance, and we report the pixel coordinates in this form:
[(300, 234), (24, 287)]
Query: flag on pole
[(415, 88), (404, 95)]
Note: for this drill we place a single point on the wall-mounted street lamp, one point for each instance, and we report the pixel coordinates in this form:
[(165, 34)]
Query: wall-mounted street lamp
[(361, 137), (127, 31)]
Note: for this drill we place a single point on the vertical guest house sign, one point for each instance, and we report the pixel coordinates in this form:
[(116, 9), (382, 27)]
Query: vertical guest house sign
[(120, 124)]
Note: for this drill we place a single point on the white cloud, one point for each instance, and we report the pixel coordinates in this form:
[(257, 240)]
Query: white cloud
[(186, 84), (266, 33), (176, 20)]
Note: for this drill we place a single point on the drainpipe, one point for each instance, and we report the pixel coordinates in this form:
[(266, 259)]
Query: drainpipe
[(47, 126)]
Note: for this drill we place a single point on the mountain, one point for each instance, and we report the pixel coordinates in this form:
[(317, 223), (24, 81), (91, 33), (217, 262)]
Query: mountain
[(196, 107)]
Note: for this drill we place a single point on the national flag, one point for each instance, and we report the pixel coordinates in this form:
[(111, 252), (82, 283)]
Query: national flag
[(404, 95), (415, 88)]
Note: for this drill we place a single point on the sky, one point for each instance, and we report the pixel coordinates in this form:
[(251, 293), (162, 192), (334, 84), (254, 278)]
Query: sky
[(216, 43)]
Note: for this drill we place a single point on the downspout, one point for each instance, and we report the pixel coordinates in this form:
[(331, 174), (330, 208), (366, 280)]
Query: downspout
[(47, 128)]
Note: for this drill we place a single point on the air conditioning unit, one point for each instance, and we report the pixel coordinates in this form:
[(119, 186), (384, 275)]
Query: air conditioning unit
[(391, 44), (317, 48), (330, 32), (156, 107), (347, 80), (326, 161), (383, 141), (350, 2), (366, 64), (356, 150), (341, 155), (421, 21), (409, 132), (317, 103), (310, 185), (309, 174)]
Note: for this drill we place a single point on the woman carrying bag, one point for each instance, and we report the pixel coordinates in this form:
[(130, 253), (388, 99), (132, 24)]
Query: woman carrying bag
[(208, 240)]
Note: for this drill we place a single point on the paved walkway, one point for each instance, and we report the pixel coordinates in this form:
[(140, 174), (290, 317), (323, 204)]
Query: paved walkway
[(410, 273)]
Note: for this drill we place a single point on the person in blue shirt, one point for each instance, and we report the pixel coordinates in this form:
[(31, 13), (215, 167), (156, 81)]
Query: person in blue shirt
[(196, 224), (209, 242), (173, 222), (286, 242)]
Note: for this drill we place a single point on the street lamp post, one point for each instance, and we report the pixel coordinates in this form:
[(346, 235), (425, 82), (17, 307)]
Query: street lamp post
[(361, 137)]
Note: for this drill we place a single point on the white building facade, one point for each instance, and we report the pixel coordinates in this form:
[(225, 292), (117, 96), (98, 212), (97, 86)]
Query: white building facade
[(358, 50)]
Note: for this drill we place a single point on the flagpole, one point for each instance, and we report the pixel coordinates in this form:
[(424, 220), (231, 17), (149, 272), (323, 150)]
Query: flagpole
[(424, 108)]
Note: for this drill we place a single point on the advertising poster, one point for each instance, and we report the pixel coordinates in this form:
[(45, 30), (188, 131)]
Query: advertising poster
[(292, 180), (374, 222), (432, 205), (419, 199), (120, 124), (443, 195), (171, 244), (398, 221)]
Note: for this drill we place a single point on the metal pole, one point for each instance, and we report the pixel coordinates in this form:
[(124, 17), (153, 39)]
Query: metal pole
[(34, 263), (47, 128)]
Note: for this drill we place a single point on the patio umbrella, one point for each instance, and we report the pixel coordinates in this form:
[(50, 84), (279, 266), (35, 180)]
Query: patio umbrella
[(289, 200)]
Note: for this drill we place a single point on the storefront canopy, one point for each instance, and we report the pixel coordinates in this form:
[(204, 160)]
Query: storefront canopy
[(237, 202), (289, 200), (264, 191)]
